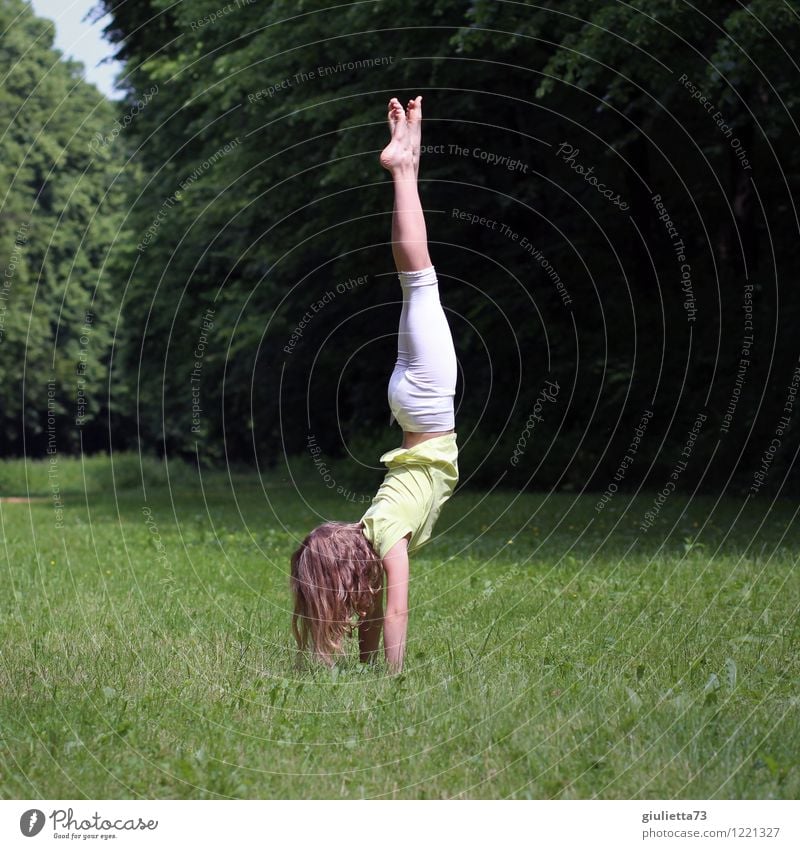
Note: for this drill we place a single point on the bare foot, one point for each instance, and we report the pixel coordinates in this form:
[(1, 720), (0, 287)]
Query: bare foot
[(415, 128), (394, 106), (397, 154)]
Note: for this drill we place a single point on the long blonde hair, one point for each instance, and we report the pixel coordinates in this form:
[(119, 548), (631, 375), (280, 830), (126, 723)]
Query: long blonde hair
[(335, 575)]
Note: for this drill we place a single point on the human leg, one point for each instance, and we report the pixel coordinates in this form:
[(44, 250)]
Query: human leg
[(401, 158), (422, 386)]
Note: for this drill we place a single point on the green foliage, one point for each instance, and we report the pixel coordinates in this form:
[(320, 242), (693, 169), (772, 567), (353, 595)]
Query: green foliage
[(261, 236), (253, 192), (58, 220)]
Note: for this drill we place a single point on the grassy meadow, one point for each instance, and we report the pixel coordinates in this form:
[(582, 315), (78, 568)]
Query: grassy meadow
[(554, 651)]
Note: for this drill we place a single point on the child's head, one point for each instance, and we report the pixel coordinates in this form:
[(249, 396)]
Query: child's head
[(335, 576)]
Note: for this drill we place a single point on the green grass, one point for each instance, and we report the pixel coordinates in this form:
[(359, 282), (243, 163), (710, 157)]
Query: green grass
[(552, 653)]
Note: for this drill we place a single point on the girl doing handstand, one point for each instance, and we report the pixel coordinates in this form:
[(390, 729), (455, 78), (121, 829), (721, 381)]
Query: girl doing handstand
[(339, 571)]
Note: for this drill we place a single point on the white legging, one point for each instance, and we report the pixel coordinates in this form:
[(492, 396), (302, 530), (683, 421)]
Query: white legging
[(423, 384)]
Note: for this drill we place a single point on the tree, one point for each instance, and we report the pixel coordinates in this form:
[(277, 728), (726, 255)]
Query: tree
[(57, 222), (554, 131)]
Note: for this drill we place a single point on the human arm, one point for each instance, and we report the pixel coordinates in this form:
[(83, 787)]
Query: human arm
[(369, 630), (395, 620)]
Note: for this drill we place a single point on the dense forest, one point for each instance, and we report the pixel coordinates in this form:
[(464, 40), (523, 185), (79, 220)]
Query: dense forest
[(61, 201), (203, 269)]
